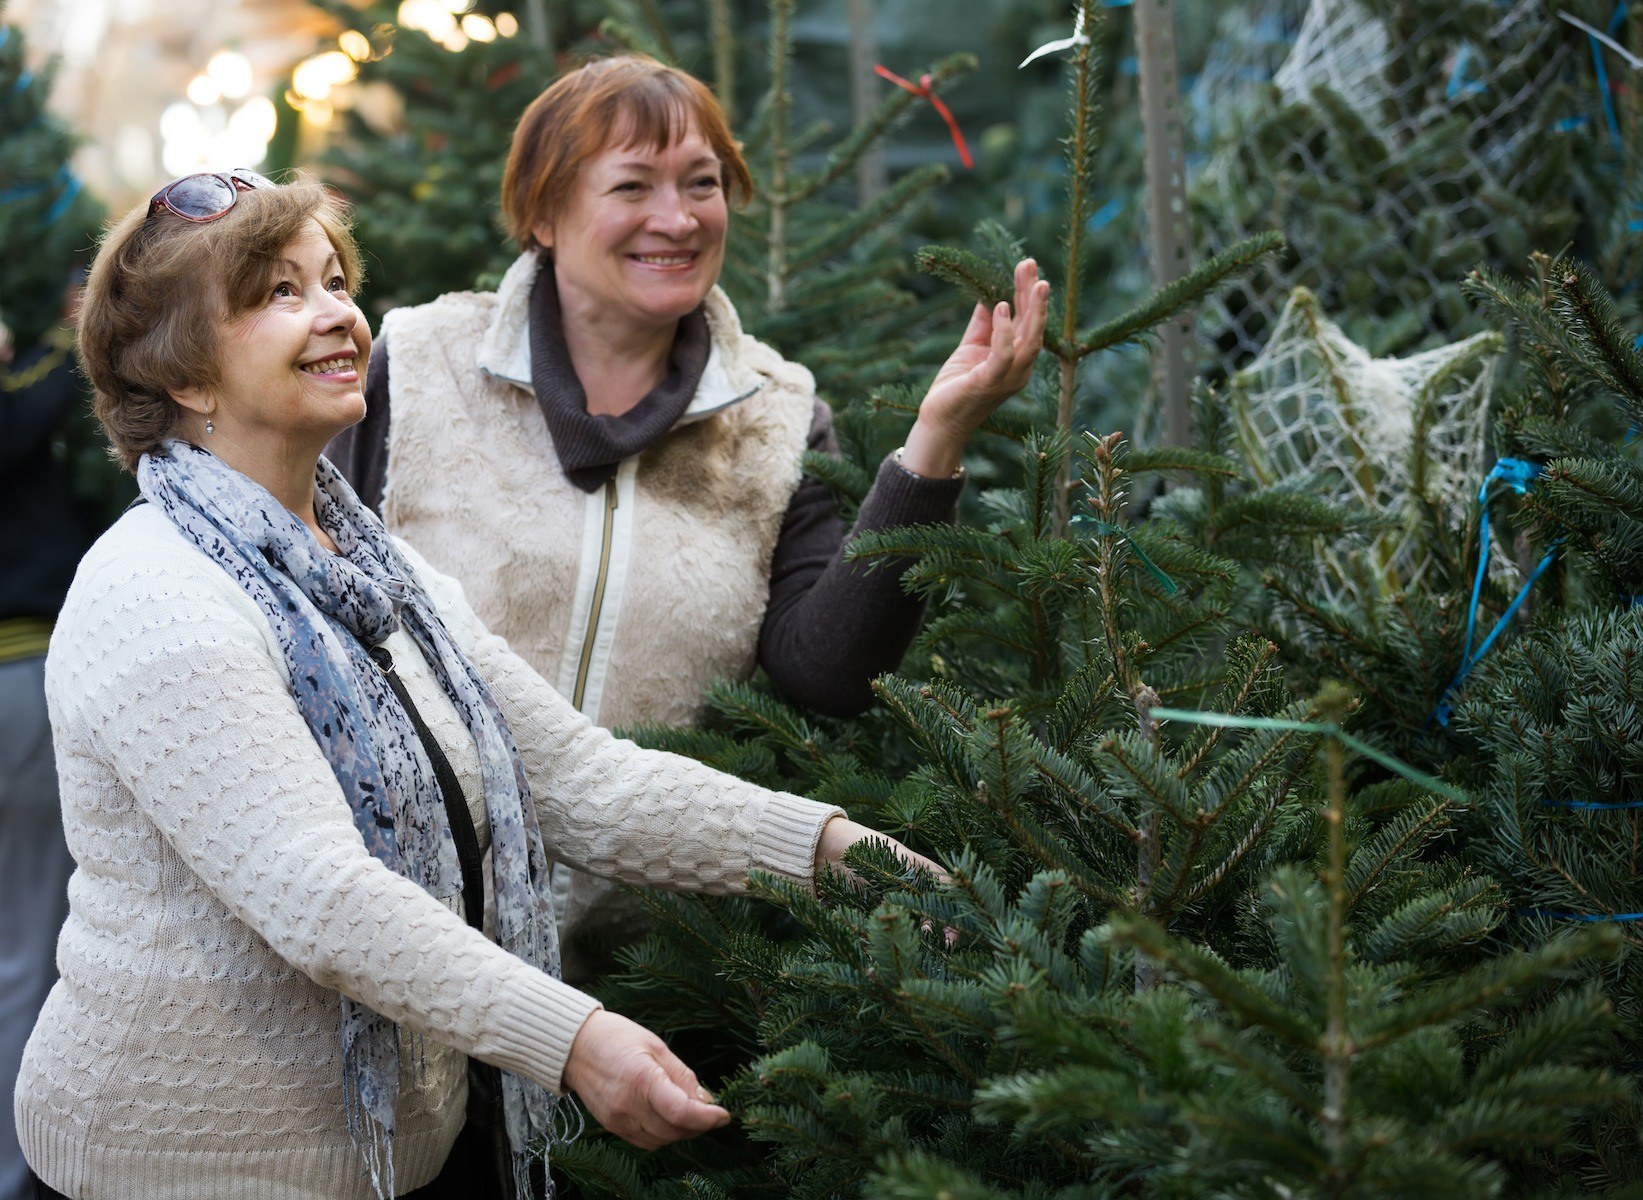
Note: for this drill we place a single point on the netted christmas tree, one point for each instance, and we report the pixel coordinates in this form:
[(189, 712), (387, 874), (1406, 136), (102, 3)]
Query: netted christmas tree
[(1399, 144)]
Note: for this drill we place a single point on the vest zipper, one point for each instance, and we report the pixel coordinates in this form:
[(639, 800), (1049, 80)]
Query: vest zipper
[(594, 610)]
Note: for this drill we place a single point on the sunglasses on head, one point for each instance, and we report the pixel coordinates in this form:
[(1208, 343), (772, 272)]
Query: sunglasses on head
[(207, 195)]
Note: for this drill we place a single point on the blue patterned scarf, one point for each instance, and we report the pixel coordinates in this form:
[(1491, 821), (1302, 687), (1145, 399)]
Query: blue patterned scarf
[(325, 609)]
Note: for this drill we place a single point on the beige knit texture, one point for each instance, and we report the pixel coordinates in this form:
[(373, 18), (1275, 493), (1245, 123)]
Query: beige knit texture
[(222, 896)]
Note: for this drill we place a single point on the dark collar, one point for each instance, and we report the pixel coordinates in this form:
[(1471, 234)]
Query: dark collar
[(591, 447)]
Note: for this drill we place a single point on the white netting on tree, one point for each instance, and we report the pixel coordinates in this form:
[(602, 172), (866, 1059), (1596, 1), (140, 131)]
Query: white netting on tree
[(1316, 407), (1341, 46), (1395, 148)]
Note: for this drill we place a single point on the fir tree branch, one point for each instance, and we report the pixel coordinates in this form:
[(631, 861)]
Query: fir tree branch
[(1610, 355), (1184, 459), (842, 159), (1236, 994), (1488, 985), (841, 235), (1177, 296)]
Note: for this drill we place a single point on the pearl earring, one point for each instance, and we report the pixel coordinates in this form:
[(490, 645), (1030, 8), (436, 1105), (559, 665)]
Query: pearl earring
[(209, 427)]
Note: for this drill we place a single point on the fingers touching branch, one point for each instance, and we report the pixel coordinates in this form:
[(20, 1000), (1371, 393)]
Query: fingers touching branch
[(992, 362), (635, 1086)]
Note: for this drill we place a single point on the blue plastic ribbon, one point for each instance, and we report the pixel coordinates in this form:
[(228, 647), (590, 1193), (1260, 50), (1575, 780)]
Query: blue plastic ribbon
[(1588, 918), (1591, 805), (62, 203), (1104, 216), (1517, 474), (1459, 85), (71, 189), (1602, 72)]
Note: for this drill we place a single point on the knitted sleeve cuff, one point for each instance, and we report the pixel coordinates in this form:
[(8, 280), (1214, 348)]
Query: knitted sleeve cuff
[(787, 836), (531, 1034), (899, 497)]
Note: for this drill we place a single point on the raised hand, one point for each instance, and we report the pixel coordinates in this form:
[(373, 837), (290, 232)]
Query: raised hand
[(993, 361), (635, 1086)]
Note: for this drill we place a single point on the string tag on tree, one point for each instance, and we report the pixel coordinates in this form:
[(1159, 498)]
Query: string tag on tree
[(1079, 38), (1107, 529), (1600, 39), (924, 90), (1516, 474)]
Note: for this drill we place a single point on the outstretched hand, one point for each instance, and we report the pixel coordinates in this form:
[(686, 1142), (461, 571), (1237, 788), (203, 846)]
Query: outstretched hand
[(993, 361), (840, 833), (635, 1086)]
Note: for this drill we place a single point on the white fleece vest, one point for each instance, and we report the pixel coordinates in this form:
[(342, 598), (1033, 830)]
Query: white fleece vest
[(637, 607)]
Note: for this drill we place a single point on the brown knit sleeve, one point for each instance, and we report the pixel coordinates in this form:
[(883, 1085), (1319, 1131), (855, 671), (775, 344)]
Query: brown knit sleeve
[(830, 626)]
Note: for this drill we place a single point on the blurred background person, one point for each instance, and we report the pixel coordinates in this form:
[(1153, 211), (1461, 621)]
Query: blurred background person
[(43, 533)]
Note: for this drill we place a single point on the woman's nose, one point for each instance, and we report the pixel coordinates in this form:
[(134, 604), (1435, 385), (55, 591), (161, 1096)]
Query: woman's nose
[(335, 312), (672, 213)]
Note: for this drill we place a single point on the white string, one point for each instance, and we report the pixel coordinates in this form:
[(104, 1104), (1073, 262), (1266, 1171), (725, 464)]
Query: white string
[(1079, 38), (1632, 60), (1392, 434)]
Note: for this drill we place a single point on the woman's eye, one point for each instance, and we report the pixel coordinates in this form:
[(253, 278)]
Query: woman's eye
[(631, 185), (707, 181), (284, 290), (338, 284)]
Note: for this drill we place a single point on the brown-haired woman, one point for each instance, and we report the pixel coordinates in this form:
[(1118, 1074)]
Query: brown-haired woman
[(612, 467), (284, 744)]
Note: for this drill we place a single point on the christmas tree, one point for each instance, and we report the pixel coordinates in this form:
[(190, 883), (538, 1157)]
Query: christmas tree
[(422, 150), (1181, 954), (1401, 143), (1550, 724), (48, 226), (47, 222)]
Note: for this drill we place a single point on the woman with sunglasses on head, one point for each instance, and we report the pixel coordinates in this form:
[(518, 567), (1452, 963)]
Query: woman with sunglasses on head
[(613, 468), (284, 744)]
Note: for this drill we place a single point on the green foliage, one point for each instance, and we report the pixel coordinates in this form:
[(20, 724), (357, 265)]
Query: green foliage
[(48, 226), (47, 223), (1171, 960), (422, 154)]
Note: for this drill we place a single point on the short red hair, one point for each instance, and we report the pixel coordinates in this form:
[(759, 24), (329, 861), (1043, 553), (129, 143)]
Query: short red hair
[(631, 97)]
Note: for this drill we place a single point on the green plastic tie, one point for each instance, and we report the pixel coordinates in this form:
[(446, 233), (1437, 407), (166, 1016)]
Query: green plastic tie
[(1230, 721), (1108, 529)]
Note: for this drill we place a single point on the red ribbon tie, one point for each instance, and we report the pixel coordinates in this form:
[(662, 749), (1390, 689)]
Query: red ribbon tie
[(922, 90)]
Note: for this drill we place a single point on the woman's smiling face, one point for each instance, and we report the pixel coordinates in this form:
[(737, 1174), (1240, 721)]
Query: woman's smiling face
[(293, 367), (641, 239)]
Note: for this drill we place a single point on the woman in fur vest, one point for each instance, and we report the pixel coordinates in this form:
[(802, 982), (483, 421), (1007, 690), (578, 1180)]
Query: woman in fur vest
[(612, 467)]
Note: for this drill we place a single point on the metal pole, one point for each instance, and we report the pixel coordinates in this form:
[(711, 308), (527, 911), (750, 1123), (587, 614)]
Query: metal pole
[(536, 23), (1175, 362), (871, 177)]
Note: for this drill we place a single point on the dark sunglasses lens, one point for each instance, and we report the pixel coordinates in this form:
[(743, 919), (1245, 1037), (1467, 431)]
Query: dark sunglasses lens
[(199, 196)]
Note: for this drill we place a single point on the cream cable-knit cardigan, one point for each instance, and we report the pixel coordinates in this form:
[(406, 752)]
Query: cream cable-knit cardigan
[(223, 896)]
